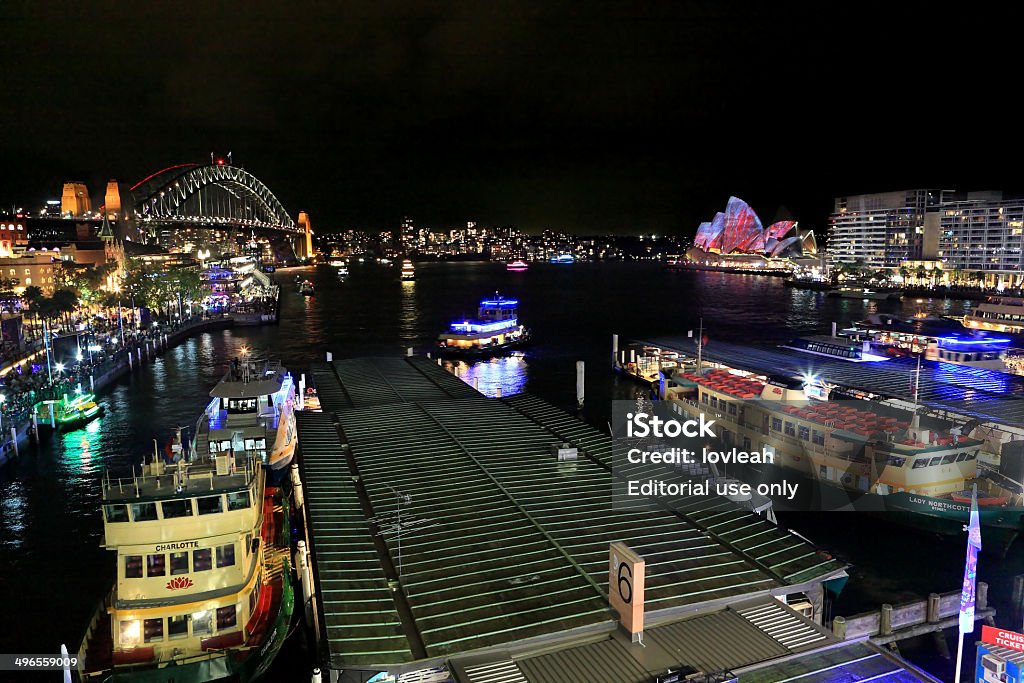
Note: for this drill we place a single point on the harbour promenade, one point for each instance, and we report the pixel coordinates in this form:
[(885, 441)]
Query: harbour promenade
[(140, 347)]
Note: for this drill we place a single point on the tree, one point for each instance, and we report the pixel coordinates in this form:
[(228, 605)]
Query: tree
[(64, 302)]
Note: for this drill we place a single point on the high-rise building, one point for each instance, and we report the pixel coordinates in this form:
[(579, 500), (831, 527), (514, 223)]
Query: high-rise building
[(74, 200), (982, 231), (407, 236), (883, 229)]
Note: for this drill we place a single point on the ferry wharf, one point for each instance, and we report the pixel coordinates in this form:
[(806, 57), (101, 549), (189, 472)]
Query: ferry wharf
[(454, 537)]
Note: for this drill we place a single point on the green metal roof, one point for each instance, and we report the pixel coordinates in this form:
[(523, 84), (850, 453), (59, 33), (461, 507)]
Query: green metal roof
[(361, 618), (500, 541)]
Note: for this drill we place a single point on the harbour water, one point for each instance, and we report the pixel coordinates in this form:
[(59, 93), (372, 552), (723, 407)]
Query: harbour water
[(53, 571)]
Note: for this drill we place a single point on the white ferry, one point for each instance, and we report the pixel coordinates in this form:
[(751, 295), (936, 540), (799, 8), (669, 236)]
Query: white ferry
[(252, 412), (998, 313), (918, 468), (203, 589)]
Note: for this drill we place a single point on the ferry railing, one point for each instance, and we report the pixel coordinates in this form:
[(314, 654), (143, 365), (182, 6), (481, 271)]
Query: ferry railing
[(168, 481)]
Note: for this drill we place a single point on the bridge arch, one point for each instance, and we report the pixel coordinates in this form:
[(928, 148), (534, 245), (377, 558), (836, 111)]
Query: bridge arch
[(213, 193)]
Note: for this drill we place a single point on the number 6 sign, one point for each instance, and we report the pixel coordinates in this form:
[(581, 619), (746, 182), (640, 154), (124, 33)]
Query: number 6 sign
[(626, 587)]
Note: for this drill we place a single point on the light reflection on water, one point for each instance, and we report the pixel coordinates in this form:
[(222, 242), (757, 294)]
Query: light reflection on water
[(507, 373)]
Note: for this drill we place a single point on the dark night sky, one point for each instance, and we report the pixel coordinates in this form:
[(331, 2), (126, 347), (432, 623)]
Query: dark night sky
[(592, 117)]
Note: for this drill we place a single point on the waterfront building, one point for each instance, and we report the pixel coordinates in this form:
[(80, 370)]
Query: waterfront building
[(984, 232), (12, 236), (883, 229)]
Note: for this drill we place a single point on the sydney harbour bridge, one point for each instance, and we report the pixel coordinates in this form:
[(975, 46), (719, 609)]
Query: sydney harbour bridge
[(199, 203)]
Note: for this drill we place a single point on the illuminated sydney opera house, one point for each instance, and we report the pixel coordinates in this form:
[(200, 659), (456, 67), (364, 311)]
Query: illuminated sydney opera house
[(736, 238)]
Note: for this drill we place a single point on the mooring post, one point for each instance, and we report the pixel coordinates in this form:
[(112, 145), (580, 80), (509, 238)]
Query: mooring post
[(839, 628), (579, 383), (932, 613), (885, 620)]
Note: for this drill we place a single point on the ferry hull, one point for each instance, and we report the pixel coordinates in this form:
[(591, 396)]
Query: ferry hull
[(481, 352), (79, 422)]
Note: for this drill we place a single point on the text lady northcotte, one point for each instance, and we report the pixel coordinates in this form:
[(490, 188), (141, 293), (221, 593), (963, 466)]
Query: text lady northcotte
[(642, 424)]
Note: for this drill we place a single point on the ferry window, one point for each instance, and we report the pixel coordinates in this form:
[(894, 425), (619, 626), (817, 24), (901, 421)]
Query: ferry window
[(156, 565), (238, 500), (248, 544), (732, 408), (202, 560), (225, 555), (895, 461), (213, 446), (920, 463), (261, 443), (936, 460), (179, 563), (225, 445), (972, 456), (776, 424), (143, 512), (790, 429), (703, 397), (746, 443), (177, 627), (202, 623), (225, 617), (209, 505), (804, 433), (714, 401), (948, 459), (133, 566), (250, 444), (818, 437), (176, 508), (960, 457), (153, 629), (131, 632), (116, 513)]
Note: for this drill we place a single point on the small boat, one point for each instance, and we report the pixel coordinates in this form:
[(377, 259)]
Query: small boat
[(563, 259), (517, 265), (306, 288), (496, 329), (269, 268), (408, 272), (69, 413)]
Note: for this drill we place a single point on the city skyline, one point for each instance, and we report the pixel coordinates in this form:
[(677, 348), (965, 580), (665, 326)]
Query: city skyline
[(638, 119)]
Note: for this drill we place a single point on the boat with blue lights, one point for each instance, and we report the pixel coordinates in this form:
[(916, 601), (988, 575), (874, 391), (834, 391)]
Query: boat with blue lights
[(563, 259), (496, 329)]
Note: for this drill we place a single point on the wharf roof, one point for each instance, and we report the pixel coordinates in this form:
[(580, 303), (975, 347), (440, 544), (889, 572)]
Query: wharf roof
[(501, 543), (762, 642), (986, 395)]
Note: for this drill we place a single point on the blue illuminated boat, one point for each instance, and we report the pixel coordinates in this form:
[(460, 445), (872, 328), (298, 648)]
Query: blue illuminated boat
[(496, 329), (562, 259)]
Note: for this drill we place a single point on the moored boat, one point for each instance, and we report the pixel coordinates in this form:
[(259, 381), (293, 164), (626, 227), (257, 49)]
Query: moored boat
[(882, 455), (496, 329), (72, 412), (203, 589), (306, 288)]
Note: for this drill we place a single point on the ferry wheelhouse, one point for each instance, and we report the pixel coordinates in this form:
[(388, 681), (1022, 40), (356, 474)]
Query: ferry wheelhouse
[(203, 588), (252, 412), (495, 329), (408, 271)]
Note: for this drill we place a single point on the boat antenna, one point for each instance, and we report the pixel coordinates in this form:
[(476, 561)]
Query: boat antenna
[(915, 420), (700, 345)]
